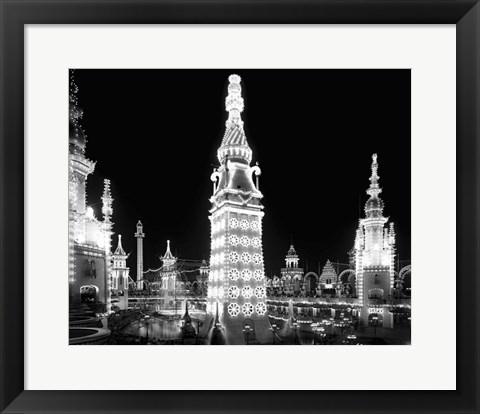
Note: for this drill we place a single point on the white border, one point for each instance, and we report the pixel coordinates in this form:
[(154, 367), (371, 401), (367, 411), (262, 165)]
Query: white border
[(428, 364)]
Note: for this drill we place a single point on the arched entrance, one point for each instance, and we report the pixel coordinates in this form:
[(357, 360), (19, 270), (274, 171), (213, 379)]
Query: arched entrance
[(348, 281), (89, 294), (405, 278), (311, 282)]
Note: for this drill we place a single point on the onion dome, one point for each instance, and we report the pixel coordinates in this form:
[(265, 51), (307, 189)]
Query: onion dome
[(374, 205), (234, 144)]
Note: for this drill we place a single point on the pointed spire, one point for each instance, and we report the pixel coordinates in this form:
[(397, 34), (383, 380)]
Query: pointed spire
[(107, 200), (168, 259), (374, 189), (234, 102), (234, 143), (77, 136), (119, 250), (374, 205)]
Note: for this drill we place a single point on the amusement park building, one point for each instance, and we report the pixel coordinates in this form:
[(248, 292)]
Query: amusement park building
[(371, 289), (89, 240)]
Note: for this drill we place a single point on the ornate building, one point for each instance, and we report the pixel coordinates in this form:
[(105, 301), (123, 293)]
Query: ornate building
[(236, 293), (120, 277), (292, 274), (89, 236), (375, 256), (370, 289)]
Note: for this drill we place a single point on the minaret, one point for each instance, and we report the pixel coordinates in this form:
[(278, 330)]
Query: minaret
[(375, 255), (120, 276), (237, 281), (139, 236)]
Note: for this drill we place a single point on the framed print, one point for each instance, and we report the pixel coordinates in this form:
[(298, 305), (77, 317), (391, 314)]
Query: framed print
[(239, 178)]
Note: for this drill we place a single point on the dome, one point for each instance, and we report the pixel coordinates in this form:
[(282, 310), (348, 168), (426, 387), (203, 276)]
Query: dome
[(374, 204)]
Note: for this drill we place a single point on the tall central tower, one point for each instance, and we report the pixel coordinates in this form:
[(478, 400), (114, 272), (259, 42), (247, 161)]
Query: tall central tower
[(375, 256), (236, 285)]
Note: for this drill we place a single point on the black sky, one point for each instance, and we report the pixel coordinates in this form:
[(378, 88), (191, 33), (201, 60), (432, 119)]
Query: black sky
[(155, 133)]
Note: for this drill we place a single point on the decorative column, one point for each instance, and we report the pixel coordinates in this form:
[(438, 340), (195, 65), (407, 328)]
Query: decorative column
[(139, 236)]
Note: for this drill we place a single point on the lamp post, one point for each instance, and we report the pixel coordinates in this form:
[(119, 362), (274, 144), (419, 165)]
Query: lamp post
[(247, 331), (274, 330)]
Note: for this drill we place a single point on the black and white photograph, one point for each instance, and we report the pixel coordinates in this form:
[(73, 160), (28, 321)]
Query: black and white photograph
[(239, 207)]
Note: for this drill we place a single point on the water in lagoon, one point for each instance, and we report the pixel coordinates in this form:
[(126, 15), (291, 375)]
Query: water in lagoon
[(160, 329)]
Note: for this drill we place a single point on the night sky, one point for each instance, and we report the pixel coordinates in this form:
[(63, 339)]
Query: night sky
[(155, 135)]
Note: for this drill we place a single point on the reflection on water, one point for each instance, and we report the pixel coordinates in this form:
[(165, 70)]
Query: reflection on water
[(159, 329)]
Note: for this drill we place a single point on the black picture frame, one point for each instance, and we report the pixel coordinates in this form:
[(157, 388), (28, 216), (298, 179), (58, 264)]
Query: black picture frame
[(15, 14)]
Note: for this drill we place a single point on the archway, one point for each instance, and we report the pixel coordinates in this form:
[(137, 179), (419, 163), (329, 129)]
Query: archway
[(311, 282), (89, 294), (349, 281), (405, 277)]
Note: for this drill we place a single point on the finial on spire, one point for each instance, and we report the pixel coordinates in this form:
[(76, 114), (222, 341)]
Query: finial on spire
[(374, 189), (107, 200), (234, 102)]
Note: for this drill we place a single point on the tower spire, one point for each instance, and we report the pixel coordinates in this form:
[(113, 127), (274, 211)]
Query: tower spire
[(234, 144), (107, 201), (168, 259), (234, 102), (119, 250), (374, 189)]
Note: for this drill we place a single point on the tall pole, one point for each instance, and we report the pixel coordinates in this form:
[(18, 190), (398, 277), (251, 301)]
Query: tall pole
[(139, 236)]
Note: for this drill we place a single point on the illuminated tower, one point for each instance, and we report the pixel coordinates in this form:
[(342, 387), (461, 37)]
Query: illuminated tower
[(139, 235), (119, 282), (80, 167), (169, 278), (375, 257), (292, 275), (89, 244), (237, 280)]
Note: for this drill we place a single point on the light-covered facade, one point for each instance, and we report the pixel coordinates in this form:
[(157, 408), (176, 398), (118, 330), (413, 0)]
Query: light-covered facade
[(89, 258), (375, 256), (236, 286)]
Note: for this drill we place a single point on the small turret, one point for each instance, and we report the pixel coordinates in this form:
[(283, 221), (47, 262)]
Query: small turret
[(168, 259)]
